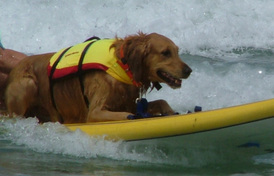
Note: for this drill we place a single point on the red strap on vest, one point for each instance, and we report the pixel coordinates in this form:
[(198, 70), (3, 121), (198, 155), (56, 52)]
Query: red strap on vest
[(122, 55), (126, 68)]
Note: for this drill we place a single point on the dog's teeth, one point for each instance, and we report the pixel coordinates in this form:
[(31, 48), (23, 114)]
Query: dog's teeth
[(171, 79), (178, 81)]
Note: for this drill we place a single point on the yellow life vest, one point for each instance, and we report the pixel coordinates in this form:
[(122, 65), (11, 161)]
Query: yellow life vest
[(93, 54)]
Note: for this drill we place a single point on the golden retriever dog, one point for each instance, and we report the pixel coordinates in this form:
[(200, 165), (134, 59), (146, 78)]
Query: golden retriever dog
[(93, 95)]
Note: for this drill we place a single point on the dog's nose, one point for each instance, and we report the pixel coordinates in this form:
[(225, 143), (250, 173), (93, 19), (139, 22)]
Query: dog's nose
[(187, 70)]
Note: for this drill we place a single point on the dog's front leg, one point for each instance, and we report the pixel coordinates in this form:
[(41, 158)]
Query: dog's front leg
[(98, 115), (159, 107)]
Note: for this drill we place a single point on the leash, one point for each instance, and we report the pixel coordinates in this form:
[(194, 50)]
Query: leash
[(141, 110)]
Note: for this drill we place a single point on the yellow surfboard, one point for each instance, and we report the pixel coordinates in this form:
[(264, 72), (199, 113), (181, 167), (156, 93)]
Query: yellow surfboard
[(175, 125)]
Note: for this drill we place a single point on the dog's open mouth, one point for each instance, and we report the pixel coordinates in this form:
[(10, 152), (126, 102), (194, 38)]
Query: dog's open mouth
[(169, 79)]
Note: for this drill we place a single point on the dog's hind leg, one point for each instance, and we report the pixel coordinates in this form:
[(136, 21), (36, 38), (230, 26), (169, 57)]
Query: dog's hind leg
[(20, 95)]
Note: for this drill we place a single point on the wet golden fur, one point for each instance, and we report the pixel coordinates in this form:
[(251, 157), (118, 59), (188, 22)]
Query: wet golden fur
[(147, 55)]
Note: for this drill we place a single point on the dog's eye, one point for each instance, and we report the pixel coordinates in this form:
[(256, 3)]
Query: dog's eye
[(166, 53)]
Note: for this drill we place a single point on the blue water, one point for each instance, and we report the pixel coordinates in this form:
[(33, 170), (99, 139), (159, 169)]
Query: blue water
[(228, 44)]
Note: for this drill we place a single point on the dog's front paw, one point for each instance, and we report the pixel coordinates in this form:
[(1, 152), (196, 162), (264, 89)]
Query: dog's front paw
[(159, 108)]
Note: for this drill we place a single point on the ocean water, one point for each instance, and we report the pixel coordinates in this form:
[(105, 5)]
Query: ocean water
[(228, 44)]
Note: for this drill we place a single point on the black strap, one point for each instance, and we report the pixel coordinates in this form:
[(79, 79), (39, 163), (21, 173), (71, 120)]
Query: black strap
[(92, 38), (80, 70), (51, 81), (157, 85), (80, 73)]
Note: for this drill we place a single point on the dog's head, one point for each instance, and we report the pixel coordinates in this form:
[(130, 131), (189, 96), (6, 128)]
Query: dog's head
[(154, 58)]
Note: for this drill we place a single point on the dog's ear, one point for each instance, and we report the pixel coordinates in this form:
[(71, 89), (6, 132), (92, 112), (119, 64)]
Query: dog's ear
[(136, 49)]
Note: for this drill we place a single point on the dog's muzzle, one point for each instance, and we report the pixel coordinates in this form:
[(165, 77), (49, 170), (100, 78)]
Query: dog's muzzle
[(186, 71)]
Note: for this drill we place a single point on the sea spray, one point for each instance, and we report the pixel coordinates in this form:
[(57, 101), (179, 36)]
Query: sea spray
[(55, 138), (211, 29)]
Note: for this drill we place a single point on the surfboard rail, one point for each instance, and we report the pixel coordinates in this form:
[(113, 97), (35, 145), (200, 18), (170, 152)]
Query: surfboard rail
[(175, 125)]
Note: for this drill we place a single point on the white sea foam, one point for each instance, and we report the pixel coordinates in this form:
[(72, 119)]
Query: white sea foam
[(207, 28), (266, 159), (56, 138)]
